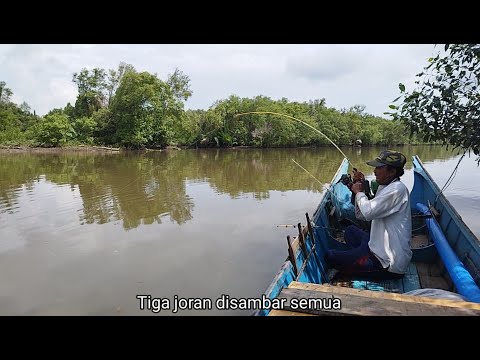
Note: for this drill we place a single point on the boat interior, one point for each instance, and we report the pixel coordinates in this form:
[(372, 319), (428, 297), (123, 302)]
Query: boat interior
[(368, 296), (443, 276), (426, 270)]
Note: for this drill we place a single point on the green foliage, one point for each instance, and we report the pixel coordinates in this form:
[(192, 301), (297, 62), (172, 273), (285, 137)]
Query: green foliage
[(143, 107), (205, 126), (180, 85), (91, 91), (270, 130), (14, 120), (105, 126), (114, 78), (131, 109), (12, 136), (69, 110), (8, 118), (54, 130), (84, 129), (184, 130), (56, 111), (5, 93), (446, 105)]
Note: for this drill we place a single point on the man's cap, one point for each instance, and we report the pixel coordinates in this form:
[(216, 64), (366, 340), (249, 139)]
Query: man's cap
[(389, 157)]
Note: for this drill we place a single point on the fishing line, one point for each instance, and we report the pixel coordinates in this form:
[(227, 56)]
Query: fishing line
[(300, 121), (450, 179), (323, 185), (311, 127), (271, 113)]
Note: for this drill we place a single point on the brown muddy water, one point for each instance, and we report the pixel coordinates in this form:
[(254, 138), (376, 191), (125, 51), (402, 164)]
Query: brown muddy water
[(102, 233)]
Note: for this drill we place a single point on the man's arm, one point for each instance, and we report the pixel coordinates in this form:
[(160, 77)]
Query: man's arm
[(381, 205)]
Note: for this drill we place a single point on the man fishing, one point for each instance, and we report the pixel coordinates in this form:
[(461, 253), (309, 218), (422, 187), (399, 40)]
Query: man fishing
[(384, 252)]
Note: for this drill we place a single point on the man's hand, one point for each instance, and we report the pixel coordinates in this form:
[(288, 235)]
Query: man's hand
[(357, 175), (357, 187)]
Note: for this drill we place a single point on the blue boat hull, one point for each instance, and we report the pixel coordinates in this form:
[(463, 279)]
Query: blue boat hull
[(451, 241)]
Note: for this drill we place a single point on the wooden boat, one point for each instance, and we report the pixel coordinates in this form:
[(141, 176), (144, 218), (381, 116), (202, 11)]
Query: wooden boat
[(443, 277)]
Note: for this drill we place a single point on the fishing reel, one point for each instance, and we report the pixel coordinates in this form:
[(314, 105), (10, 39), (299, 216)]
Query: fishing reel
[(346, 180), (358, 177)]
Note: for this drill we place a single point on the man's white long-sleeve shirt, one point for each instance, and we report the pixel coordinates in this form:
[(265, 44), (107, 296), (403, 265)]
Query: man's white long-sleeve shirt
[(391, 228)]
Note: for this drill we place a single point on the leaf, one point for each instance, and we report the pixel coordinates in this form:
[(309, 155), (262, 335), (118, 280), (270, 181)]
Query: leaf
[(446, 47), (396, 99), (392, 107), (401, 87)]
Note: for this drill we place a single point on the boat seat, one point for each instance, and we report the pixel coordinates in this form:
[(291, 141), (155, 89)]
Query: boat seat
[(409, 282)]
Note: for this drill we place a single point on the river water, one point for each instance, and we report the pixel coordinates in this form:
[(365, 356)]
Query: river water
[(104, 233)]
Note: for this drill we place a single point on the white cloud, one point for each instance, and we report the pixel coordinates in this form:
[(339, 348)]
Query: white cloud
[(344, 75)]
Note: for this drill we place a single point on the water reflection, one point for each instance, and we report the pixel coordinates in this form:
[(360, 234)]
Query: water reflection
[(129, 187), (144, 188), (84, 233)]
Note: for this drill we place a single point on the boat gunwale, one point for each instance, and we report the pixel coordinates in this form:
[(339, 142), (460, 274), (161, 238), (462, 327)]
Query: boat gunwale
[(327, 193), (281, 279), (287, 267), (456, 217)]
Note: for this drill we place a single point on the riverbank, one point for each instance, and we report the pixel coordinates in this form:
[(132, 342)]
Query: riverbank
[(78, 148), (5, 149)]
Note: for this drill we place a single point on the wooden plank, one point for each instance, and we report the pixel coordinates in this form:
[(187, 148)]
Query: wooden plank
[(291, 256), (382, 295), (288, 313), (304, 231), (423, 269), (295, 244), (301, 238), (409, 282), (393, 285), (365, 302), (318, 303), (434, 282), (419, 241), (386, 295), (430, 277), (319, 263), (310, 229)]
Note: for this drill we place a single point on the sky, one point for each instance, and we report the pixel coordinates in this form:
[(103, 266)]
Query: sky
[(344, 75)]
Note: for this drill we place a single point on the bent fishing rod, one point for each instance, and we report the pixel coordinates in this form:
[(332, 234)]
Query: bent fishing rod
[(300, 121), (288, 117)]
